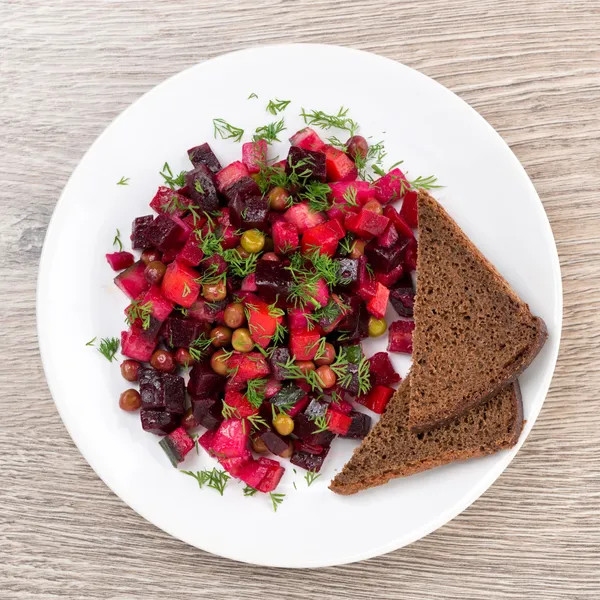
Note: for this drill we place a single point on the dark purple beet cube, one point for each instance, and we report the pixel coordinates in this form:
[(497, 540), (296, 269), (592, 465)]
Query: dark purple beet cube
[(255, 215), (139, 232), (174, 393), (347, 270), (385, 259), (316, 408), (305, 427), (162, 391), (163, 233), (381, 369), (310, 462), (356, 327), (279, 357), (152, 331), (242, 190), (180, 333), (307, 164), (350, 384), (204, 382), (274, 442), (403, 300), (360, 426), (202, 190), (159, 422), (207, 411), (203, 155), (273, 278), (214, 265)]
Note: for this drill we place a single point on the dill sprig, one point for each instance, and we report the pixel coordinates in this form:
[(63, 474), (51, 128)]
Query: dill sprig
[(226, 131), (255, 391), (350, 196), (269, 132), (123, 181), (240, 266), (321, 119), (311, 476), (317, 195), (252, 95), (91, 342), (209, 242), (117, 241), (108, 348), (199, 347), (136, 311), (294, 372), (425, 183), (277, 105), (346, 244), (322, 423), (257, 422), (276, 499), (375, 155), (214, 478), (230, 412), (186, 290), (171, 180), (279, 335), (173, 204), (249, 491)]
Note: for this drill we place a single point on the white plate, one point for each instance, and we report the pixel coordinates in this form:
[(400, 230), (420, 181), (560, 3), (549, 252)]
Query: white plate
[(486, 191)]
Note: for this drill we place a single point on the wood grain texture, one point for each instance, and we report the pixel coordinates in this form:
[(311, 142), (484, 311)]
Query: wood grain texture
[(532, 69)]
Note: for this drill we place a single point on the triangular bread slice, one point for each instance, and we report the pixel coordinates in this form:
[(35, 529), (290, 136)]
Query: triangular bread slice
[(393, 450), (473, 335)]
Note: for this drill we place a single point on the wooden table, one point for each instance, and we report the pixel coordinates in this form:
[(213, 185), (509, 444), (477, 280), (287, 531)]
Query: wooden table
[(531, 68)]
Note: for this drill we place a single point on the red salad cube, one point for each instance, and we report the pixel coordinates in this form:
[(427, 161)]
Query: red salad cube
[(132, 280), (378, 304), (402, 227), (321, 294), (410, 256), (161, 307), (381, 369), (304, 344), (342, 406), (252, 365), (297, 320), (377, 399), (359, 190), (254, 155), (119, 260), (231, 439), (177, 445), (285, 237), (300, 405), (391, 277), (338, 422), (324, 237), (261, 322), (240, 403), (389, 237), (135, 345), (307, 138), (340, 167), (272, 387), (249, 283), (230, 174), (368, 224), (168, 202), (271, 480), (390, 187), (180, 284), (302, 217), (191, 254), (400, 336), (206, 439), (235, 464), (253, 472), (408, 211)]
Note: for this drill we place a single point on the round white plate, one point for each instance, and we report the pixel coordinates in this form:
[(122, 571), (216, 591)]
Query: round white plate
[(435, 132)]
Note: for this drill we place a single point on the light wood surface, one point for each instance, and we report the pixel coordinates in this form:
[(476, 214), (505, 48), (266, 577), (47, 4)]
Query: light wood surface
[(531, 68)]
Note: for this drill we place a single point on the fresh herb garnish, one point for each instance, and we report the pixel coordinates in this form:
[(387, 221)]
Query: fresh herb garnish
[(199, 347), (249, 491), (425, 183), (137, 311), (227, 131), (91, 342), (322, 423), (317, 195), (214, 478), (321, 119), (277, 105), (230, 412), (346, 243), (171, 180), (240, 266), (209, 242), (255, 392), (269, 132), (123, 181), (279, 335), (117, 241), (108, 348), (186, 290), (276, 499), (252, 95), (294, 372), (311, 476), (257, 422), (198, 186)]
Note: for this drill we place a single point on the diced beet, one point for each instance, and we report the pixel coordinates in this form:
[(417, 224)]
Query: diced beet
[(132, 280), (176, 445), (400, 224), (274, 442), (307, 139), (300, 161), (408, 210), (297, 319), (303, 218), (285, 237), (202, 188), (163, 233), (279, 356), (338, 422), (261, 323), (227, 232), (204, 382), (180, 284), (321, 238), (230, 174), (203, 155), (304, 344), (119, 260), (384, 259), (206, 439), (367, 224), (170, 254), (381, 369), (347, 270), (403, 301), (169, 202), (272, 387), (305, 427), (301, 446), (391, 277), (191, 253), (273, 278), (334, 314), (136, 346), (378, 305), (235, 465), (400, 336), (253, 472), (362, 190), (350, 384), (249, 283), (390, 187), (159, 422), (251, 365), (231, 439), (310, 462), (139, 239), (252, 214), (389, 237), (377, 399), (299, 406), (180, 333), (339, 166), (148, 330), (410, 255), (204, 311), (162, 391), (341, 406), (242, 191), (355, 326), (240, 404), (214, 265), (321, 293), (207, 411), (360, 426), (271, 480), (254, 155)]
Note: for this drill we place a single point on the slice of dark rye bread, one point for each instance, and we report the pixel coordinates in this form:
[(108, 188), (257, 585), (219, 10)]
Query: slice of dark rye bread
[(473, 335), (393, 450)]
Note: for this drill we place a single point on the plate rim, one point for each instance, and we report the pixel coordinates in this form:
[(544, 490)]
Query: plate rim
[(443, 517)]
